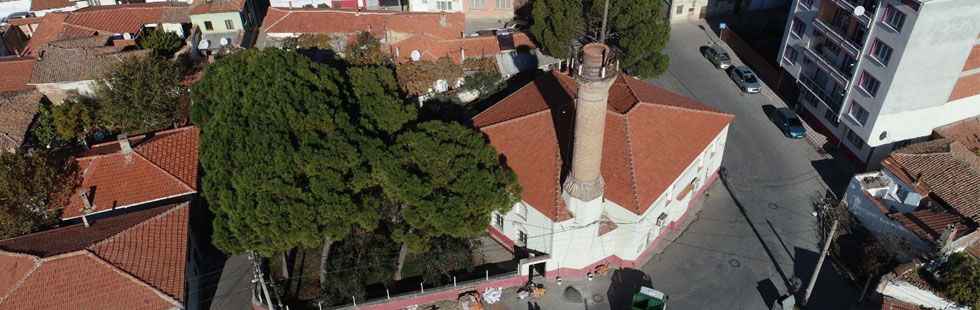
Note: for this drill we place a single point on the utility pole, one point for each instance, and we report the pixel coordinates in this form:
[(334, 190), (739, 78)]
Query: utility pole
[(261, 278), (816, 271), (605, 15)]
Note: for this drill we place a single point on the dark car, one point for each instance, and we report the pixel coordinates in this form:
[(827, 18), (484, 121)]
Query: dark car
[(788, 123)]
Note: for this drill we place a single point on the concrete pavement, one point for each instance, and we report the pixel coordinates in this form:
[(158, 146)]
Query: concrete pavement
[(234, 289), (755, 239)]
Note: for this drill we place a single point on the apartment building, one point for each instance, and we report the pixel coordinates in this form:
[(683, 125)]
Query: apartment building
[(501, 9), (876, 75)]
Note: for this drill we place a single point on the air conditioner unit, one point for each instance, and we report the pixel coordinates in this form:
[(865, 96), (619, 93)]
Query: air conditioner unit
[(662, 220)]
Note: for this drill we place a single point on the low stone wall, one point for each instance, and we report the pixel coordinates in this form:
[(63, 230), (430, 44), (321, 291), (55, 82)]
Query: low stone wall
[(439, 293)]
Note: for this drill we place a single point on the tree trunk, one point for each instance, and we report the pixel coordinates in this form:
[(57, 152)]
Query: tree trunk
[(323, 261), (285, 266), (401, 262)]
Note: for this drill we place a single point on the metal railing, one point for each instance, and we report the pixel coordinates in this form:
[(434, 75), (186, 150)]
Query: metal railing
[(838, 36), (825, 65), (832, 101), (849, 6)]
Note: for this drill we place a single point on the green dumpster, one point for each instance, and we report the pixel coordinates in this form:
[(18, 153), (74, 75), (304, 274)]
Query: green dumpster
[(649, 299)]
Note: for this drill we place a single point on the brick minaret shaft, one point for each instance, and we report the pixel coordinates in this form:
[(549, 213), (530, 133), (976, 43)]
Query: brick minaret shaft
[(594, 77)]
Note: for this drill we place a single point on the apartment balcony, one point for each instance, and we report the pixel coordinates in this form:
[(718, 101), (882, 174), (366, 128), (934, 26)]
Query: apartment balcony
[(831, 100), (826, 65), (837, 36), (850, 5)]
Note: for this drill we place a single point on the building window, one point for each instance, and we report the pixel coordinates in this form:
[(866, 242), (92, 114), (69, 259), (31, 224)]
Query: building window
[(444, 5), (798, 27), (478, 4), (208, 26), (858, 113), (503, 4), (522, 209), (833, 48), (522, 237), (869, 84), (498, 219), (894, 18), (809, 97), (680, 9), (229, 24), (831, 117), (807, 3), (901, 193), (855, 139), (881, 51), (791, 54)]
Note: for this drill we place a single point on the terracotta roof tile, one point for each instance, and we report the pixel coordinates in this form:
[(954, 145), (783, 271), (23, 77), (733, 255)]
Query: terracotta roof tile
[(129, 261), (15, 72), (649, 141), (894, 304), (310, 20), (80, 280), (974, 249), (154, 250), (216, 6), (77, 237), (77, 59), (40, 5), (947, 168), (113, 19), (966, 132), (161, 166), (17, 110), (48, 30), (929, 225)]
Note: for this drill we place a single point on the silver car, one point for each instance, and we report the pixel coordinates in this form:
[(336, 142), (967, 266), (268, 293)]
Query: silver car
[(719, 57), (746, 80)]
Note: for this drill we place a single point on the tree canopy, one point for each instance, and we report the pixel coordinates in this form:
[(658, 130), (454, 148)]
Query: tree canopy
[(637, 30), (163, 43), (137, 94), (28, 183), (280, 167), (447, 181), (366, 50), (960, 279)]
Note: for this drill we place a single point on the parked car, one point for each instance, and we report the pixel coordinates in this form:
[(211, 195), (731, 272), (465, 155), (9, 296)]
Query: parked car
[(746, 80), (788, 122), (719, 57)]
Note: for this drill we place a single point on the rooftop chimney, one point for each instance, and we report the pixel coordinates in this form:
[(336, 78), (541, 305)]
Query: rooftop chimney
[(947, 237), (594, 77), (124, 146)]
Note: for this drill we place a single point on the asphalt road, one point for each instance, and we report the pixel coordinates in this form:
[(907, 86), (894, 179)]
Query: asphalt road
[(755, 239)]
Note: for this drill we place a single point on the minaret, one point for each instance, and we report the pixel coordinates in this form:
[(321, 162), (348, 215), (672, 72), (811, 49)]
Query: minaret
[(584, 187)]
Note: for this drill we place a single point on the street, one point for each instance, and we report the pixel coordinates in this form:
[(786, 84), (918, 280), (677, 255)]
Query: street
[(755, 238)]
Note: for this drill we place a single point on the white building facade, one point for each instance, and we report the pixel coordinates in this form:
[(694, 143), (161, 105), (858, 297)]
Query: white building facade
[(880, 74)]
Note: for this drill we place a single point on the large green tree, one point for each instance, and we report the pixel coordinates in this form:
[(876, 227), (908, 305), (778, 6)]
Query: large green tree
[(161, 42), (638, 31), (280, 167), (960, 279), (137, 95), (28, 184), (444, 180)]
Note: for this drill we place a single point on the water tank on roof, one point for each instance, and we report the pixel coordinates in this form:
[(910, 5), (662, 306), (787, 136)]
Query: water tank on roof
[(225, 41)]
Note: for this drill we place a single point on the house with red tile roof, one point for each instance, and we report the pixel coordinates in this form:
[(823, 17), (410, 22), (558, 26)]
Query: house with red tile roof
[(71, 66), (17, 110), (641, 156), (139, 260), (134, 172), (225, 22), (430, 35), (927, 193), (15, 72)]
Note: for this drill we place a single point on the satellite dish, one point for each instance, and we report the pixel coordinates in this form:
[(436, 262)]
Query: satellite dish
[(204, 44), (127, 36), (416, 55), (859, 10), (225, 41)]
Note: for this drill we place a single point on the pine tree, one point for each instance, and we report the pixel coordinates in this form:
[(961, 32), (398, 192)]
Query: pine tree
[(137, 95), (638, 31)]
